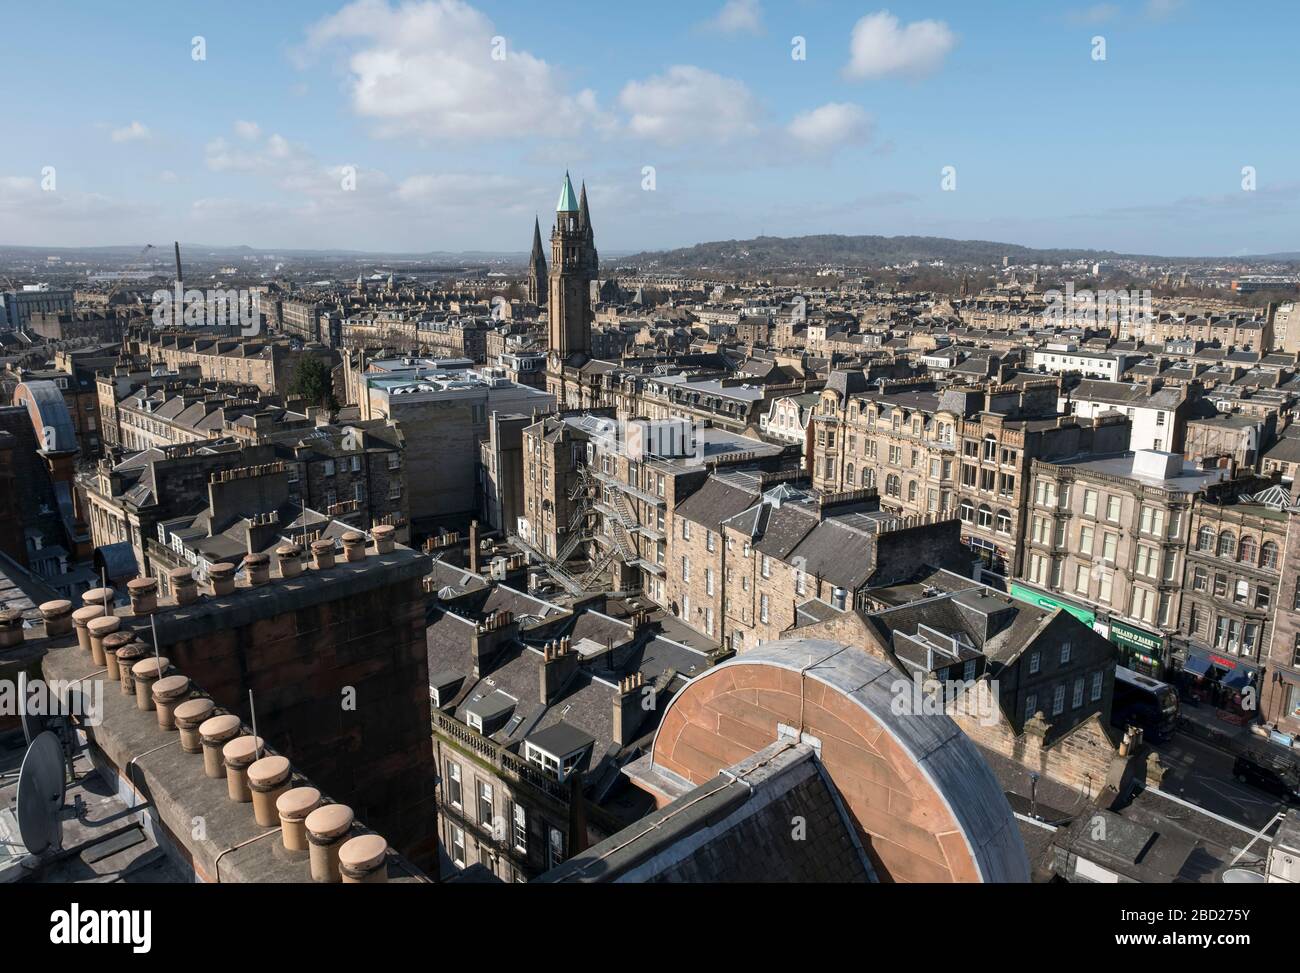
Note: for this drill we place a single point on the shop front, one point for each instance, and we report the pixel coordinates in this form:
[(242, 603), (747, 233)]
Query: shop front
[(1228, 684), (1140, 650), (1051, 603)]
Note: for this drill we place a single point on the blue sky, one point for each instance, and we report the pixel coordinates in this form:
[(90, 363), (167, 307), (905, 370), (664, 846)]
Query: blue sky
[(447, 147)]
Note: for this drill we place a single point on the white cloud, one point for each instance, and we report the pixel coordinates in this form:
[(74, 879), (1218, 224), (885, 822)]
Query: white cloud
[(428, 68), (247, 130), (1095, 15), (830, 125), (687, 103), (738, 17), (135, 132), (879, 47), (1161, 9)]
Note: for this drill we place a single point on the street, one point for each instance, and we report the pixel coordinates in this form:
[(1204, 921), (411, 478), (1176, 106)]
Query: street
[(1202, 774)]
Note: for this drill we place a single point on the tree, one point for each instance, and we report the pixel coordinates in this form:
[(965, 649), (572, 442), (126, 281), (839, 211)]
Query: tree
[(314, 381)]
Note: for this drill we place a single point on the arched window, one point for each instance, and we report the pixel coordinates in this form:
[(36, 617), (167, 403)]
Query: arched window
[(868, 477), (1205, 539), (1004, 522), (1268, 555), (985, 516), (1227, 544), (848, 474), (911, 491), (1248, 550), (892, 484), (966, 510)]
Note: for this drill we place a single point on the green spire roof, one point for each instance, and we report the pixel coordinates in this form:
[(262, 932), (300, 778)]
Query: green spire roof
[(568, 201)]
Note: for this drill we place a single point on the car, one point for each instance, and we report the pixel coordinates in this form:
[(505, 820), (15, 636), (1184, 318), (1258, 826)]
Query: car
[(1273, 773)]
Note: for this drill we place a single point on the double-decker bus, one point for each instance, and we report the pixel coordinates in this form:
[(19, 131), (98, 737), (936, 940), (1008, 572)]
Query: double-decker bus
[(1142, 701)]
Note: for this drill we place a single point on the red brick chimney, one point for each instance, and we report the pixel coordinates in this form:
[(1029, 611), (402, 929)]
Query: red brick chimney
[(559, 663)]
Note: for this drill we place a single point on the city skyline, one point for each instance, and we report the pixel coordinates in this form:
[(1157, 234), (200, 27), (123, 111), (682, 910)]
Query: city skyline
[(450, 121)]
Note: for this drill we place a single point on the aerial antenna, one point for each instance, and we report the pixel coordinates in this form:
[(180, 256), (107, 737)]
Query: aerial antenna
[(257, 741)]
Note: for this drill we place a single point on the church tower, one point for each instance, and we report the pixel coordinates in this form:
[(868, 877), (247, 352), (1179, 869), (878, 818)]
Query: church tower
[(574, 265), (537, 282)]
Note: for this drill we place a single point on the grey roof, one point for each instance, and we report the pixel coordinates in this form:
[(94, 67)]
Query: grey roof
[(736, 828), (561, 739)]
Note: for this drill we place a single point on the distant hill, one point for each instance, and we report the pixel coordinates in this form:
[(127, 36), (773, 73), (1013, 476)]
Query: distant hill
[(835, 249), (858, 251)]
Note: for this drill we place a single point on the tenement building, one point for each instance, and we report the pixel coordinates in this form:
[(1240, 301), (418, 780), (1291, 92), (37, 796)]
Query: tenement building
[(1106, 540), (1234, 579), (931, 450)]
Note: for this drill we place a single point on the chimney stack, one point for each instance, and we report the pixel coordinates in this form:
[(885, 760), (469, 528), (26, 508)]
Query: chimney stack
[(493, 632), (473, 547), (628, 710), (559, 663)]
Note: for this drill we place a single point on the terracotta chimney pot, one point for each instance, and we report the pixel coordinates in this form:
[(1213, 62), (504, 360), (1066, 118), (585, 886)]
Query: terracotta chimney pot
[(97, 629), (290, 560), (322, 554), (144, 595), (127, 656), (238, 755), (168, 693), (58, 617), (268, 778), (215, 733), (257, 568), (293, 806), (112, 643), (81, 618), (222, 577), (326, 828), (364, 859), (144, 674), (184, 588), (190, 716), (383, 535), (354, 546)]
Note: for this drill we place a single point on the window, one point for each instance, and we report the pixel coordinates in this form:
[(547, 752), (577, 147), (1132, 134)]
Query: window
[(1058, 699), (1085, 540), (686, 530), (1113, 507), (1200, 579), (708, 581), (519, 831), (762, 608), (766, 566), (1090, 503), (1262, 596), (1033, 662), (1269, 556), (1004, 522), (1094, 693), (1031, 705), (1227, 544), (1205, 539), (1065, 652), (686, 569), (453, 784), (485, 804), (457, 846), (710, 544), (1248, 550), (968, 670), (1077, 699), (555, 847)]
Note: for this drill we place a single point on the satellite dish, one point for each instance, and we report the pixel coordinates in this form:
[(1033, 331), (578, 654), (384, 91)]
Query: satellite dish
[(1241, 876), (41, 789)]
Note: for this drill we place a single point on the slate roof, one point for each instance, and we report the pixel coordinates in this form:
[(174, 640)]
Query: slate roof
[(735, 828)]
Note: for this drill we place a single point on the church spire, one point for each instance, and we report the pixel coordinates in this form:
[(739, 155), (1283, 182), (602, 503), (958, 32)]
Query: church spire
[(567, 203), (538, 253), (584, 215)]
